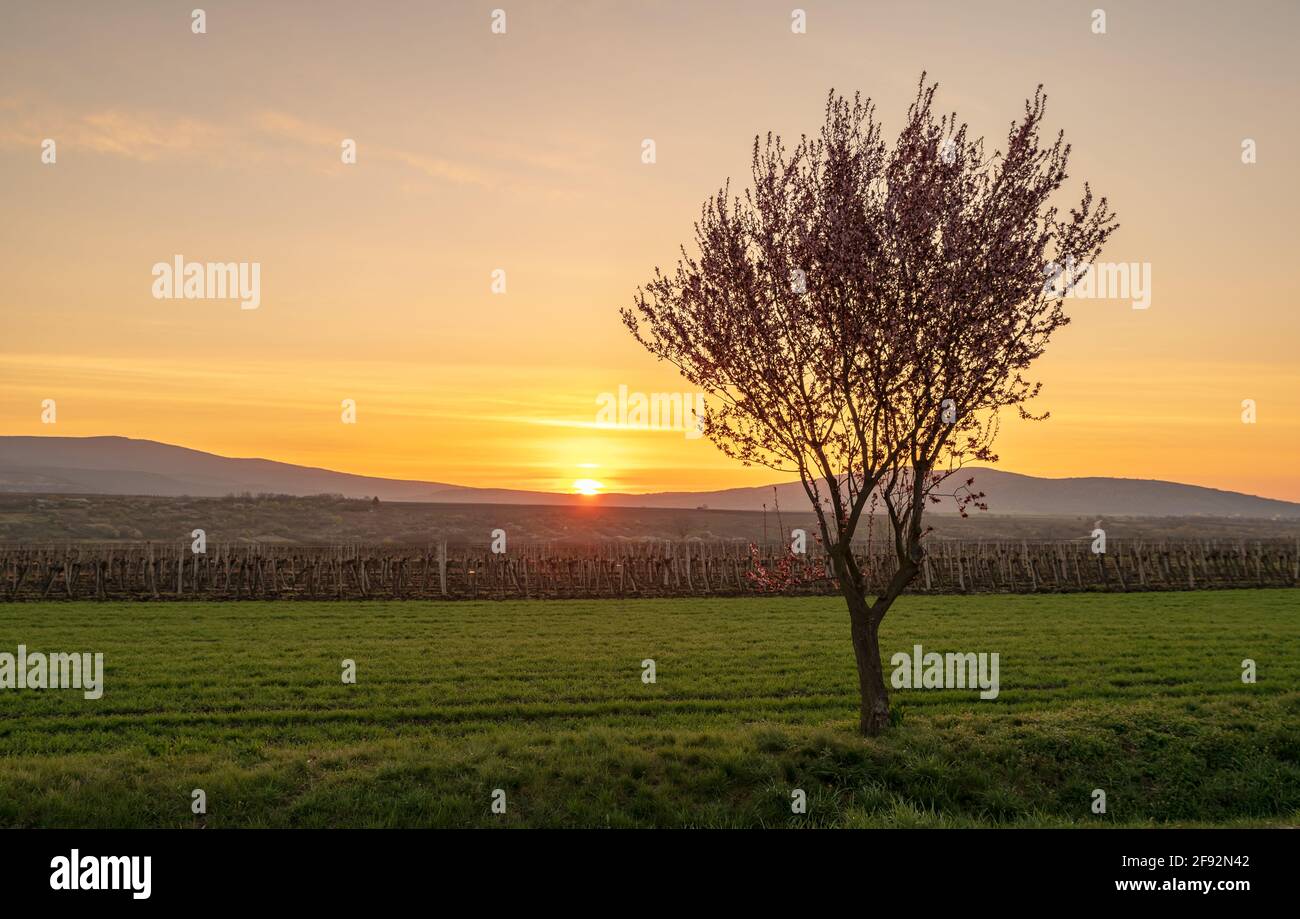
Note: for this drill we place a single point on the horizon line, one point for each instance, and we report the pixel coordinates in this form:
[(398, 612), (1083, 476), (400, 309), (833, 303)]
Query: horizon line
[(603, 494)]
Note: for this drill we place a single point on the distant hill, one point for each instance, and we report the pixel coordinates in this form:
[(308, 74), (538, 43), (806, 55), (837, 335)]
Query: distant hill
[(125, 466), (1015, 494)]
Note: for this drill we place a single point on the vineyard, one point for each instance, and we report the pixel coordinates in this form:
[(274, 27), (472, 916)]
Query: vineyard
[(647, 569)]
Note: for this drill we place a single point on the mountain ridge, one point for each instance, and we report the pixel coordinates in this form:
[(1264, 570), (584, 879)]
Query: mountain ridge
[(118, 465)]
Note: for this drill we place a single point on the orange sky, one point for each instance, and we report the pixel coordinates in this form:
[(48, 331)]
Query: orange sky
[(522, 151)]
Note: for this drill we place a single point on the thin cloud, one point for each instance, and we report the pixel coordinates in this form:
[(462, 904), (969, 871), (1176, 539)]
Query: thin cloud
[(134, 135), (291, 128), (148, 137)]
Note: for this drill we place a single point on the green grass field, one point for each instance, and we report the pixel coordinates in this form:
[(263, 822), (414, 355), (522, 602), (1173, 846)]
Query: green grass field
[(1139, 695)]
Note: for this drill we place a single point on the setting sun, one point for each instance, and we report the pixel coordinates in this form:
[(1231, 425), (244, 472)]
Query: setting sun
[(587, 487)]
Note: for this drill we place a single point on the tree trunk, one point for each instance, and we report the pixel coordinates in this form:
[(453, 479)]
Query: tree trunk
[(865, 631)]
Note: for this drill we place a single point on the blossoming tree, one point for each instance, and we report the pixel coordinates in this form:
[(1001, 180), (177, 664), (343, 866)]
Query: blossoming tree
[(864, 314)]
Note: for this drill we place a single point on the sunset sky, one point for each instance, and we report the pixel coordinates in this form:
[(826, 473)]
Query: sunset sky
[(522, 151)]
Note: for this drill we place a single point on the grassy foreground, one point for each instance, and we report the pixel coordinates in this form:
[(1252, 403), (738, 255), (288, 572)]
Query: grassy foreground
[(1139, 695)]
